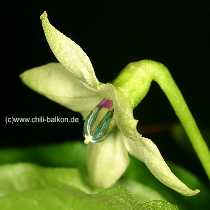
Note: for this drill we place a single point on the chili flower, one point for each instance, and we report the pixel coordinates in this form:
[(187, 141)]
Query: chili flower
[(109, 128)]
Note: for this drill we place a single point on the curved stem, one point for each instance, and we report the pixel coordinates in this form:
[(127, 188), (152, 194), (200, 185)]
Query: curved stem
[(147, 71)]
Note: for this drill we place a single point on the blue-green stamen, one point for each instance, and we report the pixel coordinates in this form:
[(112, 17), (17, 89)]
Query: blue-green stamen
[(97, 123)]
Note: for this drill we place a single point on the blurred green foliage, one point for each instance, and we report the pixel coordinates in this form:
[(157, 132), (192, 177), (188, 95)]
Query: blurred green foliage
[(137, 181)]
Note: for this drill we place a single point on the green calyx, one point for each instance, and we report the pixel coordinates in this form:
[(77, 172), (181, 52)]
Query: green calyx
[(134, 80)]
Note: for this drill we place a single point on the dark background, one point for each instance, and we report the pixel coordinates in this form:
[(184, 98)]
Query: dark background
[(112, 35)]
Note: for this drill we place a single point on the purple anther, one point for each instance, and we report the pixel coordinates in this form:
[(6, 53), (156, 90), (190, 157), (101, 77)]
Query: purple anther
[(106, 103)]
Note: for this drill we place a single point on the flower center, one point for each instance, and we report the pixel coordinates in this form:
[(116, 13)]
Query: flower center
[(98, 121)]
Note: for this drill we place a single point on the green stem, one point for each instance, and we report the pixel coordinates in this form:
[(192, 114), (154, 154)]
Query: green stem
[(135, 81)]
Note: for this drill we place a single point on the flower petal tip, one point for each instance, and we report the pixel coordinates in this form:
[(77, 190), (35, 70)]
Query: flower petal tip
[(27, 78), (43, 15), (69, 54), (189, 192), (23, 76), (193, 192)]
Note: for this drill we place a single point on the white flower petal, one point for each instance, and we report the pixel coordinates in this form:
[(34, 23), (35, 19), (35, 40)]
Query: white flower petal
[(107, 160), (144, 149), (56, 83), (69, 54)]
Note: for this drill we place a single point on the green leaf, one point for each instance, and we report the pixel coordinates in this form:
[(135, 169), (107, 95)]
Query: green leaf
[(67, 154), (141, 183), (69, 54), (158, 205), (56, 83), (26, 186), (199, 201), (137, 179)]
